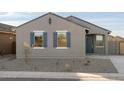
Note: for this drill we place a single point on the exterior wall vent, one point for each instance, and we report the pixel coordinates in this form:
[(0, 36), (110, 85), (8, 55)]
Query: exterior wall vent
[(50, 21)]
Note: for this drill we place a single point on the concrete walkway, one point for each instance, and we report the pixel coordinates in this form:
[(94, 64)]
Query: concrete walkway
[(118, 62), (20, 75)]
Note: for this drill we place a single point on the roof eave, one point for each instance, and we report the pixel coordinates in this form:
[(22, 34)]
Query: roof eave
[(51, 14), (90, 23)]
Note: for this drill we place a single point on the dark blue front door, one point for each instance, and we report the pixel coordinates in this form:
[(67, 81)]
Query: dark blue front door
[(89, 43)]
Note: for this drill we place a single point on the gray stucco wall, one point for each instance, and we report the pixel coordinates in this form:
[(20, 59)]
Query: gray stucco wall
[(77, 38)]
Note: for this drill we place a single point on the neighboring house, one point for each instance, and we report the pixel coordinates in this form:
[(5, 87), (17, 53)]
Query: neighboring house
[(52, 36), (7, 39), (116, 45)]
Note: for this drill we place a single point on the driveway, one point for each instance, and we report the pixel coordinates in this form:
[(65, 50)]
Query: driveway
[(118, 62)]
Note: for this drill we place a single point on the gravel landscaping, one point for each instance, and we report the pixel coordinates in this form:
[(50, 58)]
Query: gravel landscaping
[(89, 65)]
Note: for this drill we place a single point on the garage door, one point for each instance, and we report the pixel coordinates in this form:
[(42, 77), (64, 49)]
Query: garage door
[(121, 47)]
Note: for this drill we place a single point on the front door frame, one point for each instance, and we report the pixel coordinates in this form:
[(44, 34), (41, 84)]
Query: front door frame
[(90, 43)]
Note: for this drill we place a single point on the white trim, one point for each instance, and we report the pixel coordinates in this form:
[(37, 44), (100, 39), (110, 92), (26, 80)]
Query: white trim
[(62, 31), (62, 48), (99, 46), (38, 47), (38, 31)]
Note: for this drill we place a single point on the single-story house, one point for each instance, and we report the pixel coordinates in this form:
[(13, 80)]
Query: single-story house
[(7, 39), (52, 36)]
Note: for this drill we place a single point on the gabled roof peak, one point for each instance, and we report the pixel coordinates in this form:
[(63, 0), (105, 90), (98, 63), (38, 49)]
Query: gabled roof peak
[(51, 14)]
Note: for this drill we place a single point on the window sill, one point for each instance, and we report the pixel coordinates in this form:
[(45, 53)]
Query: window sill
[(38, 48), (62, 48), (99, 46)]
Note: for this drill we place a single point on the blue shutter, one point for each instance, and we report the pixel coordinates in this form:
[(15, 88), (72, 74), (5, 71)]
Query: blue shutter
[(45, 39), (31, 39), (68, 39), (54, 39)]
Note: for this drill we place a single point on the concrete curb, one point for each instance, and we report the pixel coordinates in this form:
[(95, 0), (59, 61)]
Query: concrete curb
[(60, 75)]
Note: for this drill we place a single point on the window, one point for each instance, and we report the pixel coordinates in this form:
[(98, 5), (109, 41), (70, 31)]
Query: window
[(99, 41), (61, 39), (38, 39)]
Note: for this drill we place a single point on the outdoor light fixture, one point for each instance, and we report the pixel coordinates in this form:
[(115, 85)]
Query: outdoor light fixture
[(109, 32), (87, 31), (50, 21)]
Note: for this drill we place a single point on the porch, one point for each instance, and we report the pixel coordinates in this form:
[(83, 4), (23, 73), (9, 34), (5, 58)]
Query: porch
[(96, 44)]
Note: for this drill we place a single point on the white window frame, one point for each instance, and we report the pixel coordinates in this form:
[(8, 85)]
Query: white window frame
[(38, 31), (61, 31)]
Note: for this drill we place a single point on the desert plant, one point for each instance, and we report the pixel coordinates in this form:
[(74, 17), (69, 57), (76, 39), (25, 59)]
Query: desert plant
[(87, 62), (67, 68), (35, 68), (73, 60), (57, 63), (2, 67), (1, 52), (26, 51)]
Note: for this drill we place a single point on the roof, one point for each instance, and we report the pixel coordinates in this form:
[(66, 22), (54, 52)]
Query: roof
[(51, 14), (88, 23), (66, 20), (5, 27), (120, 37), (117, 37)]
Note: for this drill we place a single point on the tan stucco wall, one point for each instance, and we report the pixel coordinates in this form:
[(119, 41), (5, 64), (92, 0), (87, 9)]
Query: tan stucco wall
[(77, 38)]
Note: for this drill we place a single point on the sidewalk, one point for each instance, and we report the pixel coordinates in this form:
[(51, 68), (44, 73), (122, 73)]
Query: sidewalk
[(19, 75)]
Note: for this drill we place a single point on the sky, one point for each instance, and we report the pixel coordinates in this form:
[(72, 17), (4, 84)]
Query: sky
[(113, 21)]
